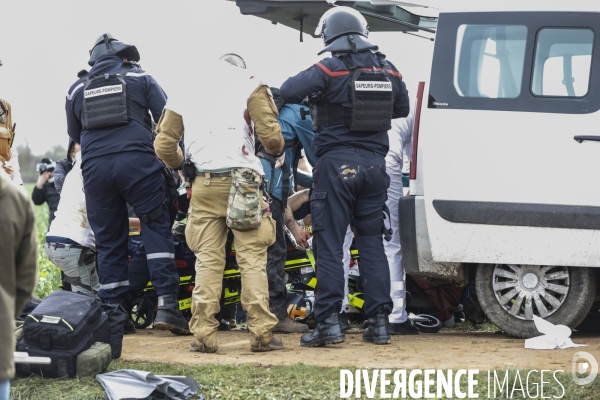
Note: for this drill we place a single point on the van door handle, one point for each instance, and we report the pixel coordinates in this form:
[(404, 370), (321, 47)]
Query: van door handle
[(580, 139)]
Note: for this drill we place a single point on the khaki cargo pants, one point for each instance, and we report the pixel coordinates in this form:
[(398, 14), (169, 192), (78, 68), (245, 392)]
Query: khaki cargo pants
[(206, 235)]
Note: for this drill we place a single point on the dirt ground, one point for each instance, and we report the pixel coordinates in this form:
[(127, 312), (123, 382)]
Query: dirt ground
[(444, 350)]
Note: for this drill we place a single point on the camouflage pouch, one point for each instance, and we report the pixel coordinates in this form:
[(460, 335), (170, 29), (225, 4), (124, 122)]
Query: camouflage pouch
[(243, 207)]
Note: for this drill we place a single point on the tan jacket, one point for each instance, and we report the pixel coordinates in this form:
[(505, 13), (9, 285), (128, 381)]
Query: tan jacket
[(18, 265), (261, 111)]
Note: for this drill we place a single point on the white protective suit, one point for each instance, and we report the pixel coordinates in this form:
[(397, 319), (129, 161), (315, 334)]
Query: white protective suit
[(71, 220), (400, 137)]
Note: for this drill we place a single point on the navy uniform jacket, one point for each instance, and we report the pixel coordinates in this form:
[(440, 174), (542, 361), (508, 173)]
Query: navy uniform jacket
[(332, 78), (141, 88), (293, 127)]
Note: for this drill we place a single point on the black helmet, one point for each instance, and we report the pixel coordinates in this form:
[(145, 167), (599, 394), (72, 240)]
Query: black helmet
[(107, 44), (344, 29)]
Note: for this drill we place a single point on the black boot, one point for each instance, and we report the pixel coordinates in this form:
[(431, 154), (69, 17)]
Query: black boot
[(326, 332), (168, 316), (116, 319), (403, 328), (344, 321), (129, 327), (377, 332)]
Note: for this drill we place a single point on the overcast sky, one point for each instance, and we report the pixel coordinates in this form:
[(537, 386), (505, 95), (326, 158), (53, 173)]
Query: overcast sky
[(45, 44)]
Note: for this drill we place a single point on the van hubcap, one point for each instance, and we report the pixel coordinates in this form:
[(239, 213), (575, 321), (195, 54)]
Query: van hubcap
[(527, 290)]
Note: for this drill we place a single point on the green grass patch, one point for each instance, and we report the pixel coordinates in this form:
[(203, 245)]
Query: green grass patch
[(48, 274), (285, 382)]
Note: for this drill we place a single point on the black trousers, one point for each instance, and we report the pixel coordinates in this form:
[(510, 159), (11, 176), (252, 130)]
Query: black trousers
[(350, 187), (276, 256), (110, 182)]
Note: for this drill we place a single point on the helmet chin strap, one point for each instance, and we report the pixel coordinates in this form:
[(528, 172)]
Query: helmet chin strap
[(352, 43)]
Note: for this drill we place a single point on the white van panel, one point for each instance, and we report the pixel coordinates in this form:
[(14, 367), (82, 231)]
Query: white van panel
[(510, 157), (494, 244)]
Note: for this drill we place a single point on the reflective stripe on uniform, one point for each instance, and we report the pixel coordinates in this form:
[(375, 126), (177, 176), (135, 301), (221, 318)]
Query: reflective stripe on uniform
[(152, 256), (137, 73), (114, 285), (75, 89), (398, 303)]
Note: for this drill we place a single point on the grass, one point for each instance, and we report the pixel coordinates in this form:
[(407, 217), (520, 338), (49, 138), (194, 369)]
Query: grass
[(49, 275), (280, 382)]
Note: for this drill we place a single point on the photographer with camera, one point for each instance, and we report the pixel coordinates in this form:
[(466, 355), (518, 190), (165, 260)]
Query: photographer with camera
[(44, 190)]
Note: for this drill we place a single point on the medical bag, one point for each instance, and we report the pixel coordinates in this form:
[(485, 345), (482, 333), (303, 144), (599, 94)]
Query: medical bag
[(61, 327)]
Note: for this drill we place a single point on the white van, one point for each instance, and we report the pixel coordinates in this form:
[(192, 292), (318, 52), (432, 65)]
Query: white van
[(501, 193)]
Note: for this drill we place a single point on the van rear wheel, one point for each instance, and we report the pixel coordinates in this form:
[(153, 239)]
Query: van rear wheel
[(511, 294)]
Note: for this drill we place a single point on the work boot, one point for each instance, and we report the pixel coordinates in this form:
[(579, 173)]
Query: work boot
[(274, 344), (377, 332), (202, 347), (327, 332), (129, 327), (344, 322), (168, 316), (403, 328), (288, 325)]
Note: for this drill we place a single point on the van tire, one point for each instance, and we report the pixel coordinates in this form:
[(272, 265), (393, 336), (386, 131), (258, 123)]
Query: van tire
[(572, 312)]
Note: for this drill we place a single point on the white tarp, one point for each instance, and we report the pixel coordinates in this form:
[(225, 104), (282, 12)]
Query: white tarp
[(130, 384)]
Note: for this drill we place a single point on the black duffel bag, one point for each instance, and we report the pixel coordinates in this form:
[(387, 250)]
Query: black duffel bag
[(62, 326)]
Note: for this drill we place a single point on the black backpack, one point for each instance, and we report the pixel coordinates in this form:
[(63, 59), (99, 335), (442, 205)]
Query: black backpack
[(61, 327)]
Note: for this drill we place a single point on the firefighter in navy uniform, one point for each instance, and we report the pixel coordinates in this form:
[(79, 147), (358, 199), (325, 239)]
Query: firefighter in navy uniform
[(109, 111), (354, 95)]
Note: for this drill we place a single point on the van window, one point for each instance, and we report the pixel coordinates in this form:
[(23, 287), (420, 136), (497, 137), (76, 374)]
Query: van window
[(489, 60), (563, 60)]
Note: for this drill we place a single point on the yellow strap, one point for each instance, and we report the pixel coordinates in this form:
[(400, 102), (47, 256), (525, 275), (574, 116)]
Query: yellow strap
[(355, 301), (311, 257), (34, 318)]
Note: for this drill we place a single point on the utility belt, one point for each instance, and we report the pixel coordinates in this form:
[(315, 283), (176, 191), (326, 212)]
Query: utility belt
[(65, 246), (208, 174)]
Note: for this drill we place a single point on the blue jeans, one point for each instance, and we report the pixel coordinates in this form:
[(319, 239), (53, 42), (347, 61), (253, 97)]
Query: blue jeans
[(4, 390)]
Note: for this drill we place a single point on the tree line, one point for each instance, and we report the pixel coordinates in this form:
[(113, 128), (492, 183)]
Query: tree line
[(28, 160)]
